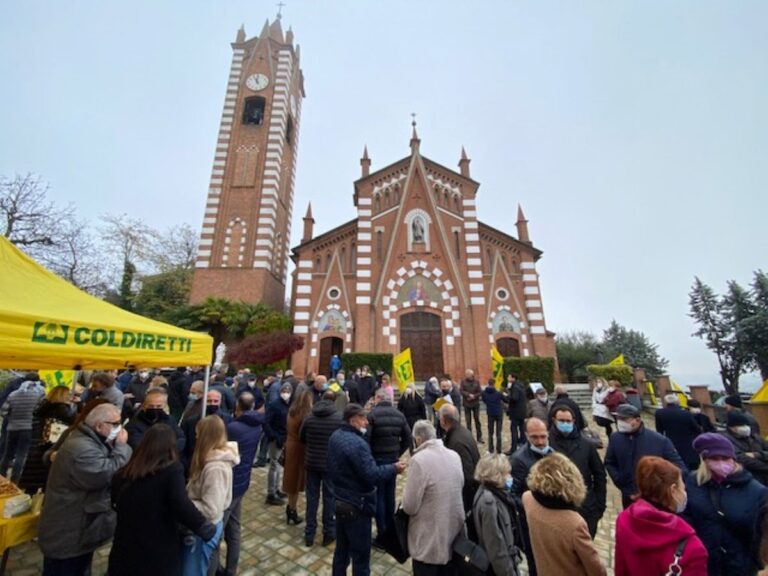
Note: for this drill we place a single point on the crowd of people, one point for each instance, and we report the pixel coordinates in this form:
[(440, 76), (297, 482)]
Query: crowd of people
[(160, 469)]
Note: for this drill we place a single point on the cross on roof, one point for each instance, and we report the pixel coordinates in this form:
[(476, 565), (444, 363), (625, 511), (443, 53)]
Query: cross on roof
[(280, 9)]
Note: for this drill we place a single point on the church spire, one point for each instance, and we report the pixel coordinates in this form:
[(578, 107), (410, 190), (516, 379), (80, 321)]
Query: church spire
[(415, 141), (365, 163), (522, 226), (240, 34), (309, 223), (276, 31), (464, 163)]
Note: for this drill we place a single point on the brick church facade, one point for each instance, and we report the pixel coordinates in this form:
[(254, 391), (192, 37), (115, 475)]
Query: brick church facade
[(414, 269), (417, 269)]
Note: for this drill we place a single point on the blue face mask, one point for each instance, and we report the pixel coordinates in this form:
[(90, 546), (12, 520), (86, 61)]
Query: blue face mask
[(564, 427), (509, 483), (543, 451)]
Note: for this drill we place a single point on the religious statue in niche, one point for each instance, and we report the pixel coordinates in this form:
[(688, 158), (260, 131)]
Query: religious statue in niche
[(505, 321), (419, 289), (417, 229), (333, 321)]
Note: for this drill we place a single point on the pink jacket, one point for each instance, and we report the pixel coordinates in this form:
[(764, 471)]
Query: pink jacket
[(646, 539)]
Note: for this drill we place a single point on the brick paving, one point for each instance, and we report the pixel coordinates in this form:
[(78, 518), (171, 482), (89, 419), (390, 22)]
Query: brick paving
[(270, 547)]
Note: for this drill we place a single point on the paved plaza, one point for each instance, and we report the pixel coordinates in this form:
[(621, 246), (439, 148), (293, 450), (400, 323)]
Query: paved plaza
[(270, 547)]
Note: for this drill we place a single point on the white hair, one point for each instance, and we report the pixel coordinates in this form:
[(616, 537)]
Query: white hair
[(672, 399), (101, 413), (423, 430)]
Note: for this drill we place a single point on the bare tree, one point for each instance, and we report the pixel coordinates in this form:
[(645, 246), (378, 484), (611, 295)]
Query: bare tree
[(175, 249), (75, 258)]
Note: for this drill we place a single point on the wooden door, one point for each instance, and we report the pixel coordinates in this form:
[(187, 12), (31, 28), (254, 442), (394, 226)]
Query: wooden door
[(421, 332), (329, 346), (508, 347)]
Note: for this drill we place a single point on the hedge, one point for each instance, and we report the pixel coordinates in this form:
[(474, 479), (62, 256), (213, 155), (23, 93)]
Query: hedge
[(353, 360), (620, 372), (532, 369)]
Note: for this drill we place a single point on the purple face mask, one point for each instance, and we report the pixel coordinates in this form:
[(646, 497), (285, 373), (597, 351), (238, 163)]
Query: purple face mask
[(721, 468)]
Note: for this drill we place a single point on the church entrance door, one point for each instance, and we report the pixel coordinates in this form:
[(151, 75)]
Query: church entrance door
[(329, 346), (421, 332), (508, 347)]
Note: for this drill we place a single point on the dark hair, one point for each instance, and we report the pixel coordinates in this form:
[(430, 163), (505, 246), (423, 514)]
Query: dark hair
[(156, 451), (694, 403), (103, 378), (352, 410), (329, 395), (653, 478)]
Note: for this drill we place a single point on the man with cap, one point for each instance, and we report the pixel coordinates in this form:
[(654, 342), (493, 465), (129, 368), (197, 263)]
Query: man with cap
[(680, 427), (751, 450), (733, 403), (354, 474), (631, 442)]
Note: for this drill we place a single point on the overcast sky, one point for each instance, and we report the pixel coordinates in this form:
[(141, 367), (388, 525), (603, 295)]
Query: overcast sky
[(634, 134)]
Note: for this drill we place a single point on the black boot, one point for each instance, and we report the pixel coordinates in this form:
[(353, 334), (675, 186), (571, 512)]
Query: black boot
[(293, 516)]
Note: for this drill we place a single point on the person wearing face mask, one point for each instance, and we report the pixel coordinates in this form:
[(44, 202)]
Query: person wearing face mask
[(432, 500), (319, 386), (565, 437), (650, 536), (495, 515), (412, 406), (558, 534), (600, 412), (276, 431), (154, 410), (77, 517), (540, 405), (189, 423), (680, 427), (536, 447), (136, 391), (724, 506), (751, 450), (694, 407), (632, 442)]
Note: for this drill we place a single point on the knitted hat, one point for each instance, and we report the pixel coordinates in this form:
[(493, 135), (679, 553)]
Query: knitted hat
[(710, 444), (737, 419)]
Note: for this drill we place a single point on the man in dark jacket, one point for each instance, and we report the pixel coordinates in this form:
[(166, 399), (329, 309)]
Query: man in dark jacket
[(177, 392), (517, 410), (633, 441), (680, 427), (389, 436), (276, 430), (153, 411), (365, 387), (470, 398), (694, 407), (494, 409), (189, 424), (227, 396), (733, 403), (459, 439), (246, 430), (355, 475), (751, 450), (562, 399), (565, 437), (316, 432), (319, 387)]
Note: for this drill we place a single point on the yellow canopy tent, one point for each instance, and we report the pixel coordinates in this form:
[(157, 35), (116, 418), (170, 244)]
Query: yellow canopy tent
[(46, 322)]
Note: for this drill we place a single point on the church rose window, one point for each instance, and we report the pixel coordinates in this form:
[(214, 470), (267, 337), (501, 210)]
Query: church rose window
[(334, 293), (253, 111), (502, 294)]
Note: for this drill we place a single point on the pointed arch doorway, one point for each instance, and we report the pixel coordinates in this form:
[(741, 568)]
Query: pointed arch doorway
[(422, 333), (329, 346)]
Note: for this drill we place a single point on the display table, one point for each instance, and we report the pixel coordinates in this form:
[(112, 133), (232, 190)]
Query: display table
[(15, 531)]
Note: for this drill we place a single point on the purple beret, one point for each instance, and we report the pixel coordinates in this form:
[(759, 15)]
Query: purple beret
[(710, 444)]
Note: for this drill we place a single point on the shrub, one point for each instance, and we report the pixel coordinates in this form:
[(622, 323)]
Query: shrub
[(620, 372), (351, 361), (532, 369)]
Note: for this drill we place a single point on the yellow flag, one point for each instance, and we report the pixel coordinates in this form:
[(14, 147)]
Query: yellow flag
[(52, 378), (680, 393), (497, 363), (762, 394), (651, 393), (403, 369), (439, 403), (335, 387), (619, 360)]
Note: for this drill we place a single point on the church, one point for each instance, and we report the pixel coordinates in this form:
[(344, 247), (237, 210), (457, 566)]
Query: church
[(415, 269)]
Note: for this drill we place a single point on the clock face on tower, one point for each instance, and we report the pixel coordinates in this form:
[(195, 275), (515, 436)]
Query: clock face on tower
[(257, 82)]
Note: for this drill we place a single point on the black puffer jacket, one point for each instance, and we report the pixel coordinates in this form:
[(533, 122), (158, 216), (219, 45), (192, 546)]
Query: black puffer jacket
[(388, 434), (316, 431)]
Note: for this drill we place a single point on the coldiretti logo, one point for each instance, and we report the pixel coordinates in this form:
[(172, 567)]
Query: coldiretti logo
[(53, 333)]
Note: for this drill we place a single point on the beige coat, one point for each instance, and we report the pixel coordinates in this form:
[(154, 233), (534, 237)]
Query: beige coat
[(211, 492), (432, 499), (560, 541)]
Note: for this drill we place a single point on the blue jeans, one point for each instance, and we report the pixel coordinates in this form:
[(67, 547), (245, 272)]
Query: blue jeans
[(196, 553), (16, 450), (314, 481), (385, 501), (353, 541), (76, 566)]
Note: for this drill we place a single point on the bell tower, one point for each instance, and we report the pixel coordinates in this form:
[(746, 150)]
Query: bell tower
[(244, 243)]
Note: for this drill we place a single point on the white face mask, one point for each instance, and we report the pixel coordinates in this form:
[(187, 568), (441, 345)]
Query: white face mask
[(285, 397), (695, 410), (742, 431), (624, 426), (143, 375), (113, 433), (363, 431)]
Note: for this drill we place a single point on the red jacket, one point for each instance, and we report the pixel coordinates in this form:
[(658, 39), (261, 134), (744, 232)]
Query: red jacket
[(646, 539)]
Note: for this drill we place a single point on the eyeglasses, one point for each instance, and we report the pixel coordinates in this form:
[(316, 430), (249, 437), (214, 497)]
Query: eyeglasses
[(114, 424)]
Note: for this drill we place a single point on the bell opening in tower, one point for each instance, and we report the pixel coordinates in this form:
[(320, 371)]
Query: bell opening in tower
[(253, 111)]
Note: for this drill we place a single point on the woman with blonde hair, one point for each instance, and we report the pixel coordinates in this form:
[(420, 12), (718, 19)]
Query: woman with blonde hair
[(209, 488), (724, 507), (559, 535), (495, 514), (293, 469), (600, 412), (650, 536)]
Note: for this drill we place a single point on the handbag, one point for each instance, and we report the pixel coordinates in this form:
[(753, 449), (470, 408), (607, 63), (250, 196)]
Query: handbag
[(592, 437), (469, 558), (674, 568), (394, 540)]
